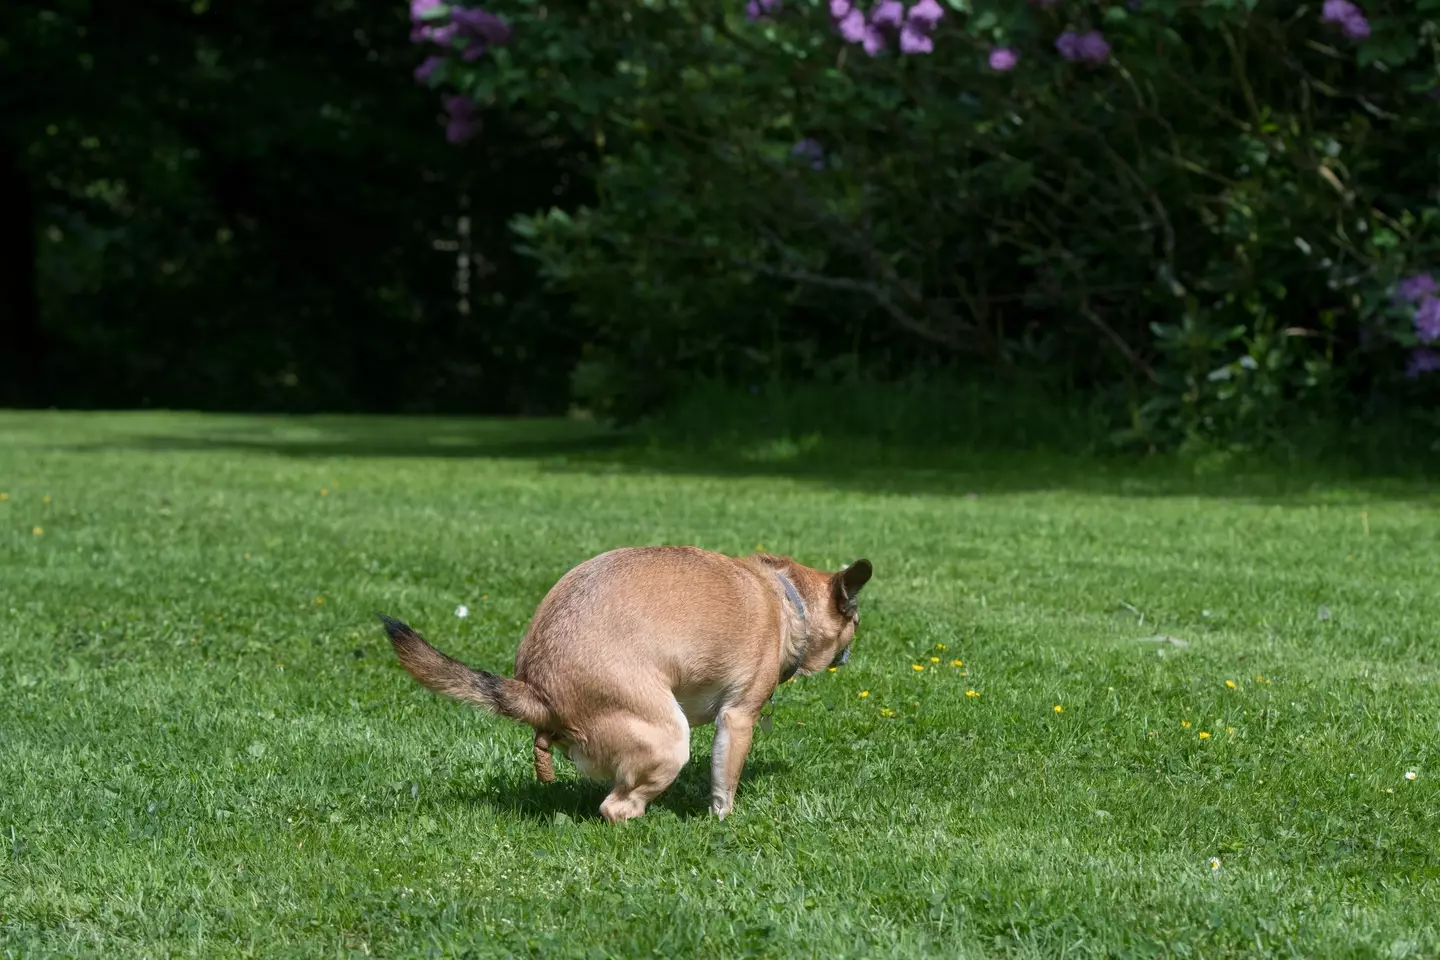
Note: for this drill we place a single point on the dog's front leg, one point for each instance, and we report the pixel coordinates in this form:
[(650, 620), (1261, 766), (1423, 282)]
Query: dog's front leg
[(733, 729)]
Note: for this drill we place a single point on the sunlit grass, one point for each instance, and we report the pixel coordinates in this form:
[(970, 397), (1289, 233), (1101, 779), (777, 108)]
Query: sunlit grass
[(1083, 716)]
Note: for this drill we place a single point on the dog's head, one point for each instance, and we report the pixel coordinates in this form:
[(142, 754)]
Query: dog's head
[(834, 633), (828, 606)]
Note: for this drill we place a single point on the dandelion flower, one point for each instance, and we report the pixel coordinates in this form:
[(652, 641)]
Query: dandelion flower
[(972, 693), (1185, 724), (44, 499), (1230, 684), (462, 611), (1214, 863), (1204, 735), (934, 659), (940, 646), (917, 668), (4, 497), (886, 712), (864, 694), (324, 492), (319, 601), (832, 669), (38, 532), (1059, 709), (1410, 774), (957, 663)]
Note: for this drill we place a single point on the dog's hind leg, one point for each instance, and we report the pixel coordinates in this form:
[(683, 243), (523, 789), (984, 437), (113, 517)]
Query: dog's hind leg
[(648, 757)]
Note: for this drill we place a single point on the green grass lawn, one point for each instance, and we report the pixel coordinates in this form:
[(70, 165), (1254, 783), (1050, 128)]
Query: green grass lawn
[(206, 747)]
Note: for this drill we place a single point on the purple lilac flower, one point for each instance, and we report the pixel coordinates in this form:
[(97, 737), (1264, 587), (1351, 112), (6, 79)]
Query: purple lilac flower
[(464, 123), (809, 151), (839, 8), (1348, 17), (888, 13), (913, 41), (760, 9), (1003, 59), (1422, 360), (1427, 320), (926, 14), (421, 10), (852, 26), (1093, 47), (426, 70), (482, 25), (873, 41), (442, 35), (1338, 11), (1415, 288), (1068, 45), (1356, 28)]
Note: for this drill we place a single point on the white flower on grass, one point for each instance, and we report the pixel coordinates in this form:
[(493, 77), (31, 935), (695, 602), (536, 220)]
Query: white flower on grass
[(1214, 863), (1410, 774), (462, 611)]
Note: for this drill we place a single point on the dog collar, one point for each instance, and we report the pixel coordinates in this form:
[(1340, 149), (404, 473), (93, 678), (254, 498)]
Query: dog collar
[(797, 601)]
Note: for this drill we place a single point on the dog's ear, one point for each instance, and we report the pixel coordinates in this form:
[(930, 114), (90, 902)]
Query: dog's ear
[(847, 584)]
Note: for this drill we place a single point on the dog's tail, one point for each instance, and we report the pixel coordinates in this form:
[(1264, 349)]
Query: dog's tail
[(504, 696)]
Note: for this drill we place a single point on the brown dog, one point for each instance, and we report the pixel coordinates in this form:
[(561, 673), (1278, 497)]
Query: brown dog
[(634, 647)]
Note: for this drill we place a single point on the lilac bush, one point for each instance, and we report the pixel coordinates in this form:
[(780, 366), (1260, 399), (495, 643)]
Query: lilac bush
[(1211, 203)]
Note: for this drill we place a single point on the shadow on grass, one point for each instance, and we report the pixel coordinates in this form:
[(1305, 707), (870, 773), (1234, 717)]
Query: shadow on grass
[(849, 464), (688, 797)]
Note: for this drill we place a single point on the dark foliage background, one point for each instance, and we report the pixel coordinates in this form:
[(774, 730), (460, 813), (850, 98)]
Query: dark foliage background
[(237, 205), (1199, 235)]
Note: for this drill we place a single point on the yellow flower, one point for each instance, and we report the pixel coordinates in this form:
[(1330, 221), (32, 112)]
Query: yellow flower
[(957, 663), (832, 669), (916, 667), (1230, 730), (972, 693), (4, 496), (939, 646), (964, 673), (886, 712), (1204, 735), (934, 659), (1214, 863), (44, 499), (324, 492), (1230, 684), (319, 601), (1059, 709), (864, 694), (38, 532), (1185, 724)]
